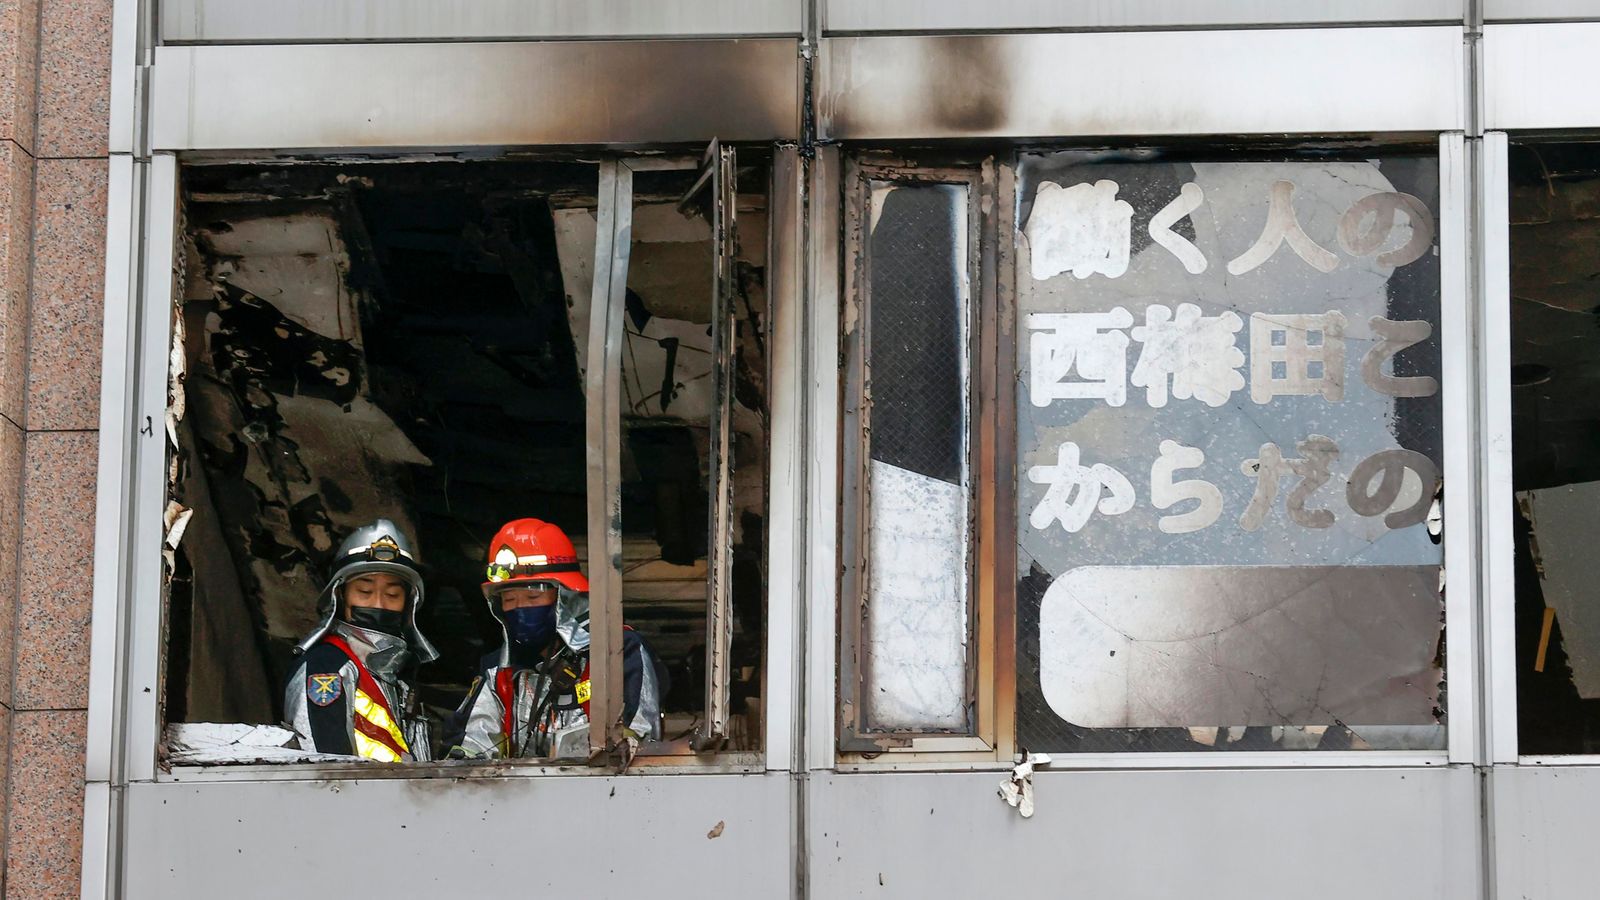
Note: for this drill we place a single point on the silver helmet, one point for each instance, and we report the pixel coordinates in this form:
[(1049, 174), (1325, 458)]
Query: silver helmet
[(379, 547)]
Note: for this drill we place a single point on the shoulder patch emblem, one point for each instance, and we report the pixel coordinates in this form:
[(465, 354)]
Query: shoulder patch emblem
[(324, 689)]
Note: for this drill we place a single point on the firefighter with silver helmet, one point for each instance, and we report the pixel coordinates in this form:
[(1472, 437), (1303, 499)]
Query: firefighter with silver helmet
[(532, 698), (352, 692)]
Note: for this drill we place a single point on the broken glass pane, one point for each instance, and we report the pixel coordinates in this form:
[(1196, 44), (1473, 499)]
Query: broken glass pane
[(1228, 454), (915, 659)]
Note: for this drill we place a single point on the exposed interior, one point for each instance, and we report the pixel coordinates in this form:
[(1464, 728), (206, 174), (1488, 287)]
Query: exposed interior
[(1555, 409), (407, 340)]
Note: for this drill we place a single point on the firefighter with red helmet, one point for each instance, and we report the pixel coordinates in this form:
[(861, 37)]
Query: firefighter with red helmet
[(532, 698), (352, 692)]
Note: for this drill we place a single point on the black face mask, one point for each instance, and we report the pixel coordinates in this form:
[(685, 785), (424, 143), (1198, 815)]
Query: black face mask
[(372, 618)]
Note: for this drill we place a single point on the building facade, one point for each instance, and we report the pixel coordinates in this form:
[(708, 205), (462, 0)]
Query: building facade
[(1138, 450)]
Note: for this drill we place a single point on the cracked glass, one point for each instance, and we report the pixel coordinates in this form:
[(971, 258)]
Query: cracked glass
[(1228, 439), (916, 624)]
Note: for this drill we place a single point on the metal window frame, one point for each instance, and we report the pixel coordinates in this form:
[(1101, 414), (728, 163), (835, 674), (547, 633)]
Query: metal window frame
[(603, 428), (1463, 674), (313, 21), (896, 16), (1499, 550), (128, 647), (861, 171)]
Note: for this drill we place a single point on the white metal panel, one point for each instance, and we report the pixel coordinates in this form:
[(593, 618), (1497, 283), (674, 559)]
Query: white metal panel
[(630, 836), (380, 20), (144, 604), (1458, 391), (786, 538), (1540, 76), (1526, 10), (460, 95), (1261, 81), (823, 415), (95, 882), (1499, 580), (112, 478), (124, 105), (1378, 834), (1543, 821), (923, 15)]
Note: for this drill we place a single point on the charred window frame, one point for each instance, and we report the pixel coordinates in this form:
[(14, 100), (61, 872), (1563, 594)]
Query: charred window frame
[(968, 194), (857, 745), (713, 194), (1076, 576)]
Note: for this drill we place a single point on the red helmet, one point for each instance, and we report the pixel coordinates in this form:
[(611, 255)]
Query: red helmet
[(529, 550)]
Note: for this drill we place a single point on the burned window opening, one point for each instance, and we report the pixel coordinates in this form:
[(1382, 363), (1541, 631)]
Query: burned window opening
[(1555, 342), (400, 340)]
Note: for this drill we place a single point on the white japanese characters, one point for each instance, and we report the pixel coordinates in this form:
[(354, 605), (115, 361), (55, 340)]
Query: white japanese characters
[(1189, 198), (1298, 359), (1082, 229), (1166, 493), (1075, 491), (1283, 227), (1397, 484), (1196, 353), (1185, 355), (1297, 356), (1088, 345)]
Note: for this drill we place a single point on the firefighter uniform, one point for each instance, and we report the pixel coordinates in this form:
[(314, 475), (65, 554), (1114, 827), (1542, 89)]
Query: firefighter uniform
[(351, 694), (532, 698)]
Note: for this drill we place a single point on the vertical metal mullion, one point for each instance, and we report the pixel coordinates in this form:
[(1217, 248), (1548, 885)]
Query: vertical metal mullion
[(984, 390), (822, 690), (603, 450), (853, 574), (1004, 608), (146, 601), (1499, 549), (1458, 389), (782, 723), (719, 608)]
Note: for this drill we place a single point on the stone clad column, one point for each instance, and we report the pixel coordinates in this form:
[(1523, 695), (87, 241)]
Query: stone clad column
[(19, 46), (56, 58)]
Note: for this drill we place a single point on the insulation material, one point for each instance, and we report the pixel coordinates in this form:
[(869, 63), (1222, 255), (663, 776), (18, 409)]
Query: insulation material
[(670, 272), (284, 392), (211, 744), (917, 609), (1017, 790), (1563, 520), (298, 263)]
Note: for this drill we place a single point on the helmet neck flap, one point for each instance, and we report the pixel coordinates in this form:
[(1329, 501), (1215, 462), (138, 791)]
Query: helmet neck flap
[(380, 547), (572, 617)]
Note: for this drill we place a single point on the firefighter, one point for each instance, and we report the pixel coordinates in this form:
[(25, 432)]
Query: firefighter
[(532, 698), (352, 693)]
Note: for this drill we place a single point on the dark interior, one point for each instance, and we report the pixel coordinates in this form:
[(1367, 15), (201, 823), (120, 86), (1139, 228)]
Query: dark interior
[(406, 339), (1555, 406)]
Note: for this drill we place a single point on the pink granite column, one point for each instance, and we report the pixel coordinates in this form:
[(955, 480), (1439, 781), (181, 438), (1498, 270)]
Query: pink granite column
[(19, 44), (50, 387)]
